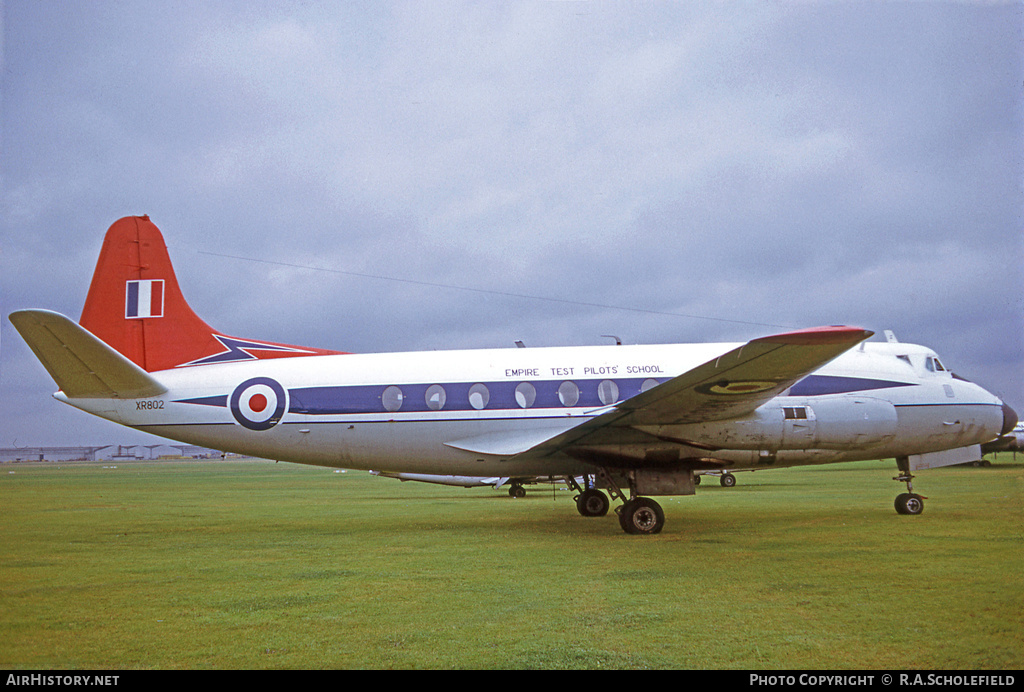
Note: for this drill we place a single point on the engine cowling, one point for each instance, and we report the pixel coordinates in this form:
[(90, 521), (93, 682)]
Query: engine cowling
[(840, 422)]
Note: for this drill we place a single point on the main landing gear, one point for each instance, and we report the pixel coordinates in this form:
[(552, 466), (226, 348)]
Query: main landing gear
[(641, 515), (592, 503), (908, 502), (637, 515), (725, 479)]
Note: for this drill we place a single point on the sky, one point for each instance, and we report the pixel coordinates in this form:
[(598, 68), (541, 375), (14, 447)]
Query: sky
[(407, 176)]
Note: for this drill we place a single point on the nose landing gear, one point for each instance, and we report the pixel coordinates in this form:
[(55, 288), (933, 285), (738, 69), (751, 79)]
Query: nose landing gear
[(908, 502)]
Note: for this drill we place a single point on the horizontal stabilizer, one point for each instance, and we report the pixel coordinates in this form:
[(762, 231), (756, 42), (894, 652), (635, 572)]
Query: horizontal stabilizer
[(82, 366)]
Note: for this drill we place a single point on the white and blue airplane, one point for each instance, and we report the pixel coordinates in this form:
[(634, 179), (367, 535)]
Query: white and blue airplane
[(640, 420), (1012, 441)]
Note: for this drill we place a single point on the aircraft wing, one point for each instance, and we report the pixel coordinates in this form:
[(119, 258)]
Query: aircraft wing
[(730, 386)]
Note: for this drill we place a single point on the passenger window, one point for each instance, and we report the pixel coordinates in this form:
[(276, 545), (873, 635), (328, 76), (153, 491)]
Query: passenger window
[(479, 396), (795, 412), (608, 392), (526, 394), (392, 398), (648, 384), (435, 397), (568, 393)]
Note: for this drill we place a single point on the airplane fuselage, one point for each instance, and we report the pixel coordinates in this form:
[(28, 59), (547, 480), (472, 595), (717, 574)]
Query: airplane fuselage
[(470, 412)]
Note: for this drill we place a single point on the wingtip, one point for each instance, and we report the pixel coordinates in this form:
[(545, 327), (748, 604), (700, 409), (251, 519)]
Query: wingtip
[(837, 334)]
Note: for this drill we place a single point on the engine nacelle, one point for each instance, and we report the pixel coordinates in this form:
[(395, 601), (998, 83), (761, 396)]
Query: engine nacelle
[(824, 422)]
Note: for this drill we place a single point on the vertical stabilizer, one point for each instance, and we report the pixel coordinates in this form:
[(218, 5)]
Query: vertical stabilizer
[(136, 306)]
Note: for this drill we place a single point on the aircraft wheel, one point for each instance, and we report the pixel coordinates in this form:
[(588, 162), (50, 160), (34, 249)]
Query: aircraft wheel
[(517, 491), (592, 503), (909, 503), (727, 480), (641, 515), (696, 479)]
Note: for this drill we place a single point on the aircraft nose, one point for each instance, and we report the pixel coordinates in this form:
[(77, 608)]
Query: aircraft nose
[(1009, 419)]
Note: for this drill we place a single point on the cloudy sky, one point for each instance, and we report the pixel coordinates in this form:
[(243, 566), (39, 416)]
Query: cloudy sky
[(378, 176)]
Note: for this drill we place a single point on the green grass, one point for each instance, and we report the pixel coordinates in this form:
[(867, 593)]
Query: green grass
[(200, 565)]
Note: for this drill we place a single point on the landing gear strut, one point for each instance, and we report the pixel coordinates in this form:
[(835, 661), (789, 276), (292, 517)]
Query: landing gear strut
[(908, 502)]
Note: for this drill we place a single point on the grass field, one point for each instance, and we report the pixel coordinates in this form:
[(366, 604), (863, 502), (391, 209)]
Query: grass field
[(252, 564)]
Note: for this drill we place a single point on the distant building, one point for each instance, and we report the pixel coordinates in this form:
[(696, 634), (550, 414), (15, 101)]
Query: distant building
[(112, 452), (11, 454)]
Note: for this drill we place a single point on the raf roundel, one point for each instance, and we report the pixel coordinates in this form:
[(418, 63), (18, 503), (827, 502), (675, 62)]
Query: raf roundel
[(259, 403), (727, 388)]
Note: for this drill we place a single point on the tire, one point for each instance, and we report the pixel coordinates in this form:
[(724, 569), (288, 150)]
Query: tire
[(642, 516), (592, 503), (727, 480), (909, 503)]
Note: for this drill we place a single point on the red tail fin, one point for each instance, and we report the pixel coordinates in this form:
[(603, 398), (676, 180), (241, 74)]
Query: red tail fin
[(136, 307)]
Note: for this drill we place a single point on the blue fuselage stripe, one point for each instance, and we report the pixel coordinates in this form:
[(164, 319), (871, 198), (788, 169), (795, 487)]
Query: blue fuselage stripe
[(501, 395), (818, 385), (361, 399)]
